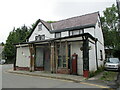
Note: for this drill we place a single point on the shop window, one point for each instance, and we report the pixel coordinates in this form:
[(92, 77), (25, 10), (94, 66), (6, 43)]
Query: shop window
[(61, 55)]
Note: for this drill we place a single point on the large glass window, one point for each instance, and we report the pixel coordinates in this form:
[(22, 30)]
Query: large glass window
[(61, 55)]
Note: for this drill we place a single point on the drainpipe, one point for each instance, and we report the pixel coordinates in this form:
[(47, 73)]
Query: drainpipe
[(14, 65), (96, 53)]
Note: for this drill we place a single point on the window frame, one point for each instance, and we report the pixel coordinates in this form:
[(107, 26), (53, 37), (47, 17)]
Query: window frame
[(101, 55), (39, 27), (56, 35), (39, 37), (81, 31)]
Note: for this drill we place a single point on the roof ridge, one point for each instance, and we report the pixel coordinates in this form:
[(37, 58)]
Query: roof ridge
[(76, 16)]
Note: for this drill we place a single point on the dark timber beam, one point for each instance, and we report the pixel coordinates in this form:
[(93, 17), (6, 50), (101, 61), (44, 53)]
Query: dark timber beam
[(86, 56), (52, 58), (32, 57)]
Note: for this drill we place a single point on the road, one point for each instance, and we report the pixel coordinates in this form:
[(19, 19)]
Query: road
[(10, 80)]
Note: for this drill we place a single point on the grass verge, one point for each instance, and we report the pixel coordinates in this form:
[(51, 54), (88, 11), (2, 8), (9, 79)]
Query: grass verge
[(108, 76)]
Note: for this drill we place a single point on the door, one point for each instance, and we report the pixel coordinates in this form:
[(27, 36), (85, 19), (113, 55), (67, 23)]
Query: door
[(47, 60), (39, 57), (74, 63)]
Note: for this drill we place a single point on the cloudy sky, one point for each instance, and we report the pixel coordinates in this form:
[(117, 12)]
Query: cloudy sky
[(15, 13)]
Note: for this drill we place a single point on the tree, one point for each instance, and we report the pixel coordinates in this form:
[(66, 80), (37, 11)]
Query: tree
[(110, 24), (2, 44), (16, 36)]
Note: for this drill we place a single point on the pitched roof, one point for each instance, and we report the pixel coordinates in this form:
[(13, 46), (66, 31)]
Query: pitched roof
[(84, 20), (48, 25)]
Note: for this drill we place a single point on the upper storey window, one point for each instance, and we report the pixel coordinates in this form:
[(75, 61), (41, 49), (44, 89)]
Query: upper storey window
[(57, 35), (39, 37), (39, 27), (75, 32)]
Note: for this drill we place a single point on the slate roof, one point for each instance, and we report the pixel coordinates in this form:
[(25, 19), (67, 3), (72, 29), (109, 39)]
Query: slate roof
[(48, 25), (84, 20)]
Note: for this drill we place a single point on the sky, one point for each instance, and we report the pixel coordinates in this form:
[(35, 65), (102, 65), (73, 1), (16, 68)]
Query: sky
[(16, 13)]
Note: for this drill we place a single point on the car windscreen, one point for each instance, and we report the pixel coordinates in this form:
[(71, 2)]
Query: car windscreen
[(113, 60)]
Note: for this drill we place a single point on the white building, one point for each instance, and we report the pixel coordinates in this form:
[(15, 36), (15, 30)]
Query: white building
[(73, 46)]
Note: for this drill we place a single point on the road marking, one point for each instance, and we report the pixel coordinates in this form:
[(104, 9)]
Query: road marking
[(94, 85)]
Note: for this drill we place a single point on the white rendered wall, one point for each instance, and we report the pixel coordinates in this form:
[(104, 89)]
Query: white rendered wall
[(37, 32), (100, 47), (23, 57), (90, 31), (75, 48), (92, 57), (100, 43)]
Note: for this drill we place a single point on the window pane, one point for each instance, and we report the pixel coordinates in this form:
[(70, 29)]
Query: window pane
[(42, 37), (61, 55), (57, 35), (59, 61), (76, 32), (80, 31), (40, 27), (70, 33)]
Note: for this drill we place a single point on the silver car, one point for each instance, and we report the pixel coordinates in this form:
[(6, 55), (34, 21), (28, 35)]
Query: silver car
[(112, 64), (2, 61)]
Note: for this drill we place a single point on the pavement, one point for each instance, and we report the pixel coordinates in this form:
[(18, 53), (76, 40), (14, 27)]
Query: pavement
[(26, 80), (50, 75), (93, 80)]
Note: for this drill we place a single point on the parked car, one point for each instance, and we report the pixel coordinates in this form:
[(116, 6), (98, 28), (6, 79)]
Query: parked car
[(2, 61), (112, 64)]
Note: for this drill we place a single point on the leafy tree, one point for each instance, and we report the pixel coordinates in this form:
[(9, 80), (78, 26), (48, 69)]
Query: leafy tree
[(16, 36), (51, 21), (2, 44), (110, 27)]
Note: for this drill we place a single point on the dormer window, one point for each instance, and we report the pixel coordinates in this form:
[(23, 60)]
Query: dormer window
[(39, 27)]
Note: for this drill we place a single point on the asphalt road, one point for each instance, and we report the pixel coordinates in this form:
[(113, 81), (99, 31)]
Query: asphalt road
[(0, 77), (10, 80)]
